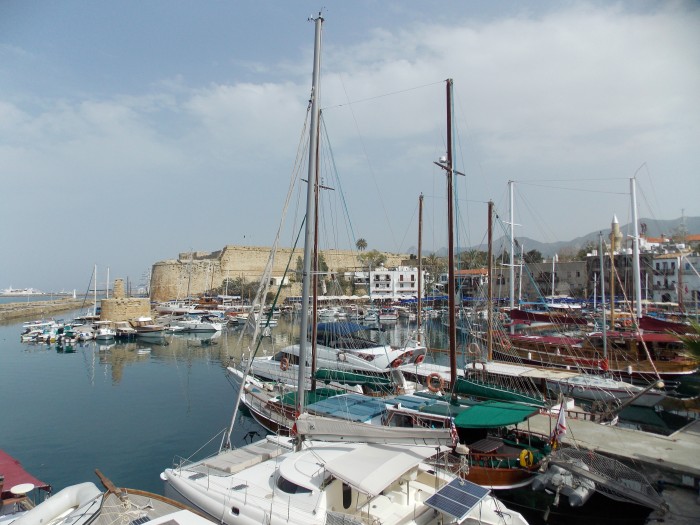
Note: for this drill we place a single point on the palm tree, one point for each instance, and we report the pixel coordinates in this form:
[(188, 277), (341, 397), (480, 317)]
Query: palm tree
[(361, 244), (692, 342)]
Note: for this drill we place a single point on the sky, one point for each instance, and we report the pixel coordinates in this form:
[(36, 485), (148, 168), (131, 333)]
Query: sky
[(133, 131)]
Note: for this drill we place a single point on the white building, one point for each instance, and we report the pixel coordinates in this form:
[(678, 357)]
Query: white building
[(676, 278), (390, 284)]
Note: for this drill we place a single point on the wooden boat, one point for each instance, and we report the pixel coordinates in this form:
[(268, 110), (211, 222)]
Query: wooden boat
[(629, 353)]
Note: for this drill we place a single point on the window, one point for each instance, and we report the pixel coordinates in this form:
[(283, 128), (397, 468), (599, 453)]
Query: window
[(347, 496), (290, 488)]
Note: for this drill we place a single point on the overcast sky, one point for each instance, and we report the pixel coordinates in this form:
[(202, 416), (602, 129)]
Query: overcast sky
[(132, 131)]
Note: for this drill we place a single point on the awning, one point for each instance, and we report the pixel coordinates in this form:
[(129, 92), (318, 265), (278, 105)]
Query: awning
[(16, 475), (493, 414)]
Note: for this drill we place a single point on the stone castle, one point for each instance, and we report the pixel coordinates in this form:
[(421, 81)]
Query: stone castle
[(194, 273)]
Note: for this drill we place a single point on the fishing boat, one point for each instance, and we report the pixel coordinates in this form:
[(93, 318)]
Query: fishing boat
[(147, 329)]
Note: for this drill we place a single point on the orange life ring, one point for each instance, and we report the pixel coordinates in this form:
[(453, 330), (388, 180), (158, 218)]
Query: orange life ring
[(431, 384), (284, 364), (396, 362), (419, 359)]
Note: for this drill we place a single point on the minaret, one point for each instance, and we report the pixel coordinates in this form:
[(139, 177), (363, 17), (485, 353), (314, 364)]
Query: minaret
[(615, 242)]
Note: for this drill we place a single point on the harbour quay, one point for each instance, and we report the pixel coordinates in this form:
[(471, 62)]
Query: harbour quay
[(37, 309)]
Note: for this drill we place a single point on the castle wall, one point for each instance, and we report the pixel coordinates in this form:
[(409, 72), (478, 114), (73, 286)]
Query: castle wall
[(124, 308), (194, 273)]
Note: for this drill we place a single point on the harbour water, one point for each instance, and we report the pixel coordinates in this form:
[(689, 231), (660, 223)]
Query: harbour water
[(129, 409), (132, 409)]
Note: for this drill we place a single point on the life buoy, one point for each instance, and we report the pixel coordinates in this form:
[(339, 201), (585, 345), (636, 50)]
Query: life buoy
[(396, 362), (419, 359), (474, 349), (527, 458), (284, 364), (431, 384)]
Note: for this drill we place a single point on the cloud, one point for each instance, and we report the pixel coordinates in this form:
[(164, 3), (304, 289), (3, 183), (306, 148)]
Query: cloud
[(576, 92)]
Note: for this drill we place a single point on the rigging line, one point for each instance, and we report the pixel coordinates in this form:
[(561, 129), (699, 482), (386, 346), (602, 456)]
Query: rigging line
[(409, 224), (376, 97), (337, 178), (574, 189), (374, 179)]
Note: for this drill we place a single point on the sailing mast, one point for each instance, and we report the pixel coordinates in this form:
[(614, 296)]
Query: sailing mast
[(489, 299), (446, 163), (635, 252), (419, 312), (310, 216)]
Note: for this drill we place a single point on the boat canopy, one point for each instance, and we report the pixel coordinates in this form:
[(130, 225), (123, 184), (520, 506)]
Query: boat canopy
[(16, 475), (373, 467), (493, 414)]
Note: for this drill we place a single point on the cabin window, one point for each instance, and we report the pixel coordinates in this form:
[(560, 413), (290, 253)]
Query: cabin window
[(290, 488), (235, 511), (347, 496)]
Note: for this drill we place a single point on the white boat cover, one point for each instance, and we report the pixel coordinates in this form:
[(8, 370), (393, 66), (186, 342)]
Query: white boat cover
[(332, 429), (370, 468)]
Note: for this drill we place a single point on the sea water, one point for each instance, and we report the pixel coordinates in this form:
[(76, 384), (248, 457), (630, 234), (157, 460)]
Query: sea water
[(129, 409)]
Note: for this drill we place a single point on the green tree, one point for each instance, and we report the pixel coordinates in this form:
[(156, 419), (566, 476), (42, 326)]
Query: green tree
[(361, 244), (372, 258), (533, 256), (473, 259), (434, 265), (588, 248)]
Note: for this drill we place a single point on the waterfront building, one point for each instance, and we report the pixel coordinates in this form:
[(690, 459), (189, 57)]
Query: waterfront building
[(389, 284)]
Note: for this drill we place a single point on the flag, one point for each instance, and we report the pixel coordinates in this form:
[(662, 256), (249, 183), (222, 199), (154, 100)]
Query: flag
[(560, 428), (453, 432)]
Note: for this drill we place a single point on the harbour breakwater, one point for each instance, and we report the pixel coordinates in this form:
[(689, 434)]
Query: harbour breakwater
[(37, 309)]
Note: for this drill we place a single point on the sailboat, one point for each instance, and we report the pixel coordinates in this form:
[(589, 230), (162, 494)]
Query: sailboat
[(281, 480)]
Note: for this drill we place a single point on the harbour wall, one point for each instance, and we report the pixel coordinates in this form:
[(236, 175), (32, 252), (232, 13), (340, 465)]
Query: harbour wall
[(194, 273), (37, 309)]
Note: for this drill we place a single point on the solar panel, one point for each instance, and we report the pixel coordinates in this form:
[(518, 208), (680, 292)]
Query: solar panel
[(457, 498)]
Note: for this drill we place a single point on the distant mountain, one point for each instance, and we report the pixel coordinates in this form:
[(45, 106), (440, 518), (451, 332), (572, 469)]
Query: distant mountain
[(654, 228)]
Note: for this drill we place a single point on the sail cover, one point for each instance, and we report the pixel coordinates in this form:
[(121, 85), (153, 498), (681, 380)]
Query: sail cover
[(493, 414)]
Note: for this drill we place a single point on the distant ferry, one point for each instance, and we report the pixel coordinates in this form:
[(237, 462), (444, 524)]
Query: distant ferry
[(13, 292)]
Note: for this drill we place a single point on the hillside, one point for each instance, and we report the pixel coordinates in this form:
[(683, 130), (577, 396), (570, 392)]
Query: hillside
[(655, 228)]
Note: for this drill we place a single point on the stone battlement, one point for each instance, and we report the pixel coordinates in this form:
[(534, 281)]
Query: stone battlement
[(202, 271)]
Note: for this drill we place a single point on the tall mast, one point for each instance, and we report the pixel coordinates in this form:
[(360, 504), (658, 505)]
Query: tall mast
[(601, 255), (489, 299), (512, 251), (452, 335), (94, 311), (635, 251), (314, 281), (310, 216), (419, 312), (615, 241)]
